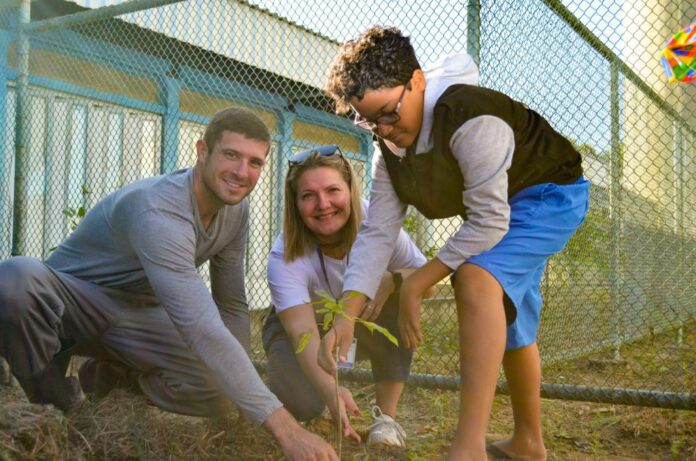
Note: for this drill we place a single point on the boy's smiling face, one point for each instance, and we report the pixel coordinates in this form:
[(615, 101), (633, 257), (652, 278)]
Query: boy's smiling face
[(385, 101)]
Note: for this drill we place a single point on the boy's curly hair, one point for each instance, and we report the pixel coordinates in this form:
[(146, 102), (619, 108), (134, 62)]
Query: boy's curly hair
[(381, 57)]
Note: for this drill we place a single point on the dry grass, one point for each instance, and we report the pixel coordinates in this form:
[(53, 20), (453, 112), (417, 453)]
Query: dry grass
[(124, 427)]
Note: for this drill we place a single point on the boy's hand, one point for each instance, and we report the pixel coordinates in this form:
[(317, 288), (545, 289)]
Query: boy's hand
[(374, 308), (409, 316), (414, 287)]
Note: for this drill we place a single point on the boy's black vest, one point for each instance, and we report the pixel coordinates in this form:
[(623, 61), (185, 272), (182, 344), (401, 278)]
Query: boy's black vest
[(433, 182)]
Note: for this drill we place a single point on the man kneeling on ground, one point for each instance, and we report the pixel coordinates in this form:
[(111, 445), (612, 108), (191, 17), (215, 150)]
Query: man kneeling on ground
[(124, 290)]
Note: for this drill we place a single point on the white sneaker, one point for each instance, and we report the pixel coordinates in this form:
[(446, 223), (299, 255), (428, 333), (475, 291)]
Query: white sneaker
[(385, 431)]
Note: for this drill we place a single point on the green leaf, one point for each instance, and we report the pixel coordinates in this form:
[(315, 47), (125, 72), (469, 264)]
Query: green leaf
[(324, 295), (372, 327), (304, 340), (69, 212), (85, 191), (81, 212), (332, 307), (328, 320)]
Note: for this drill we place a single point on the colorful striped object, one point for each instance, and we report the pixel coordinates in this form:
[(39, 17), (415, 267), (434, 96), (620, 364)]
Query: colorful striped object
[(678, 56)]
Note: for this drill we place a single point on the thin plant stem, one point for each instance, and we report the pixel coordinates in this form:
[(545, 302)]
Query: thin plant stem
[(339, 422)]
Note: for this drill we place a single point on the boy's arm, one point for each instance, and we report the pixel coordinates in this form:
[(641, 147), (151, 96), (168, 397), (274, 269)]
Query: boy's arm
[(483, 148), (378, 234)]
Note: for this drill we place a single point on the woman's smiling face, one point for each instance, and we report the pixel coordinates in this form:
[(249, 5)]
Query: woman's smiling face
[(323, 201)]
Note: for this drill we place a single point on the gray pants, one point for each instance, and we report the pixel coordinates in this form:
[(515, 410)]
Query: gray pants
[(44, 312)]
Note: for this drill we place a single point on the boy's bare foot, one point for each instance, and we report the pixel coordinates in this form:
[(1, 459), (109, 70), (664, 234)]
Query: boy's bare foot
[(508, 450)]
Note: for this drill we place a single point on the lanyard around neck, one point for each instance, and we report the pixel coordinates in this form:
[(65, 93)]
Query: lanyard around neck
[(326, 275)]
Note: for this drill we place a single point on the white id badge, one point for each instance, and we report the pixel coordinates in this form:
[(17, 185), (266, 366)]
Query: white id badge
[(350, 359)]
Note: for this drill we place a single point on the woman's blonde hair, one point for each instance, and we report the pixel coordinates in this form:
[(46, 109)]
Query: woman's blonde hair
[(298, 239)]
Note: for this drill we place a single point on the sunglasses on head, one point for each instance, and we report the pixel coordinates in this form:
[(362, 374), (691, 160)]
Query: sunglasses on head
[(322, 151)]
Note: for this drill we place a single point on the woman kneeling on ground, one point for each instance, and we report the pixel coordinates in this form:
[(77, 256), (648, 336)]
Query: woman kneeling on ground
[(323, 212)]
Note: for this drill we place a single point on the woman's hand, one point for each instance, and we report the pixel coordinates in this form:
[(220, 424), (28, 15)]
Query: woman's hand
[(339, 336), (346, 408), (341, 333)]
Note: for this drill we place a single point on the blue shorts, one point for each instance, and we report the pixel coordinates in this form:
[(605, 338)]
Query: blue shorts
[(542, 220)]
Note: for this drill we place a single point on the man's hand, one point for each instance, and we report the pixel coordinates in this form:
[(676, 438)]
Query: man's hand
[(297, 443), (339, 336)]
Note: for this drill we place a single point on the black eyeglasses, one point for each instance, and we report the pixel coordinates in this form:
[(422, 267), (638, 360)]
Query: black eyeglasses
[(322, 151), (389, 118)]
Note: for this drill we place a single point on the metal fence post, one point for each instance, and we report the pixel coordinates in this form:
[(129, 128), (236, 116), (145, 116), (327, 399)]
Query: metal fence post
[(5, 154), (21, 132), (285, 119), (679, 209), (473, 30), (616, 172), (368, 149), (169, 91)]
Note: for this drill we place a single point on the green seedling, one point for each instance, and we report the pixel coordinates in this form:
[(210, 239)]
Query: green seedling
[(329, 310)]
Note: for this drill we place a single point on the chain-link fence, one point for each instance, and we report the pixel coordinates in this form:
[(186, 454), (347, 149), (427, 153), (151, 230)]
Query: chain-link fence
[(97, 93)]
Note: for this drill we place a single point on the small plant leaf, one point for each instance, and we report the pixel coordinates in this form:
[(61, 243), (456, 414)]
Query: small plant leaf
[(328, 320), (304, 340), (324, 295), (372, 327)]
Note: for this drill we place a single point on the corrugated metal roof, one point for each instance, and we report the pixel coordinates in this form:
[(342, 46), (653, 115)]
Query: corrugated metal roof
[(284, 47)]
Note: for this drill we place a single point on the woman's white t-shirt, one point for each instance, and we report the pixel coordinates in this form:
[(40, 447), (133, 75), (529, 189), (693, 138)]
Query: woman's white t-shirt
[(296, 283)]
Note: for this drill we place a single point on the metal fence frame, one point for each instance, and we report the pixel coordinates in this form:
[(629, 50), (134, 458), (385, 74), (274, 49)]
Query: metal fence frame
[(172, 116)]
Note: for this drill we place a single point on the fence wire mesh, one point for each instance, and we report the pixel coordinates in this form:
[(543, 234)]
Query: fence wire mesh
[(114, 97)]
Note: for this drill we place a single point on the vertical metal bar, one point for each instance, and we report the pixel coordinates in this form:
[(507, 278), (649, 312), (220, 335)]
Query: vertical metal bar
[(616, 170), (169, 96), (5, 155), (50, 159), (285, 120), (368, 150), (21, 131), (473, 30), (679, 227)]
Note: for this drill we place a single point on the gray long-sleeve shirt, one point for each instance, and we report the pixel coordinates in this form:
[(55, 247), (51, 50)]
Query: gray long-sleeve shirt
[(147, 240)]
